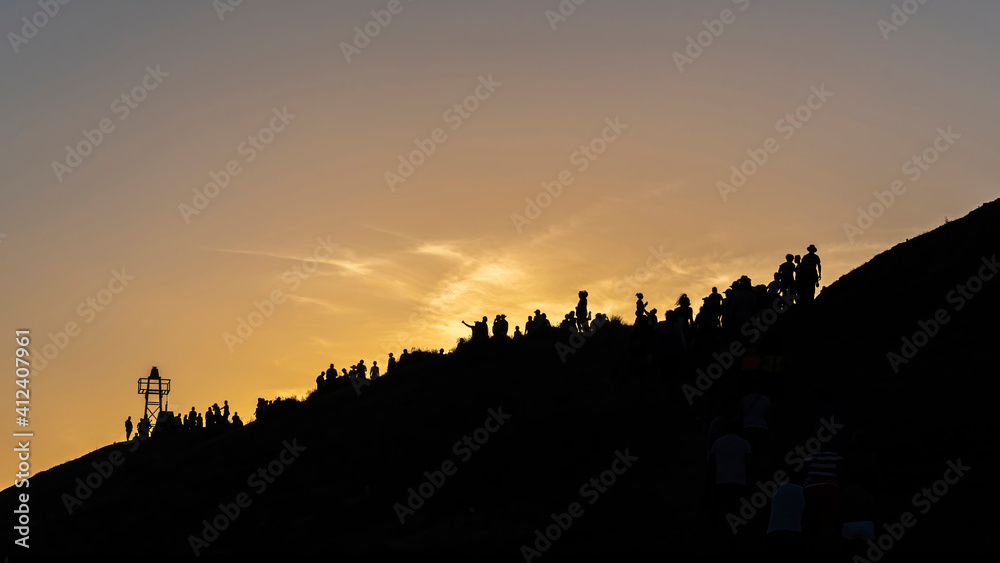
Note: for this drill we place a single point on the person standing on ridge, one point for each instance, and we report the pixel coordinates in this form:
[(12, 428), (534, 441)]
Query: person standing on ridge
[(128, 428), (810, 273), (640, 307), (582, 315)]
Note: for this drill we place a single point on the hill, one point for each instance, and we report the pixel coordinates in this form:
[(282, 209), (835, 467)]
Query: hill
[(503, 438)]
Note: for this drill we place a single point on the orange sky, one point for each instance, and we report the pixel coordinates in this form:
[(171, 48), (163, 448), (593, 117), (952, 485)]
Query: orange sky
[(366, 265)]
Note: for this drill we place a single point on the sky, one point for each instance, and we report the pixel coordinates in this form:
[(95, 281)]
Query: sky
[(241, 193)]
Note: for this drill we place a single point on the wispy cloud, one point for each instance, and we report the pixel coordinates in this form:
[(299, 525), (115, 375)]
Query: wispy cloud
[(347, 263)]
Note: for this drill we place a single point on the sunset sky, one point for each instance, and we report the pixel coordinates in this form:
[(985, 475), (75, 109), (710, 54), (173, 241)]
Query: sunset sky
[(312, 120)]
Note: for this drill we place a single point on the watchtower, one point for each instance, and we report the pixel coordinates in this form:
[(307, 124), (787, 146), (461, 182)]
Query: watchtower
[(155, 389)]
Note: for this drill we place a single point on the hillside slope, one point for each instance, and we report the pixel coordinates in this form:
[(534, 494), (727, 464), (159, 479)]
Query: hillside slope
[(347, 459)]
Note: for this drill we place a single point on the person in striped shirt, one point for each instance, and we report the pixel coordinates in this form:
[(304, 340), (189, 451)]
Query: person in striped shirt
[(822, 493)]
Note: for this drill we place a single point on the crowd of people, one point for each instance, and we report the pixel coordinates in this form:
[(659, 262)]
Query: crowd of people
[(823, 494), (807, 511), (680, 332), (167, 421)]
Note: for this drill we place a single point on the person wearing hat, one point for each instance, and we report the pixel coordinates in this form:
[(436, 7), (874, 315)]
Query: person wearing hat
[(810, 272), (500, 326)]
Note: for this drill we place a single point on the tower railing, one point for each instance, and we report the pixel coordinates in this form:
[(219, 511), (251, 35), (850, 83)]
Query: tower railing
[(155, 389)]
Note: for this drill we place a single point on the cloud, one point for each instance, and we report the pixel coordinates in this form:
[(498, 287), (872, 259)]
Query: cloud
[(348, 264)]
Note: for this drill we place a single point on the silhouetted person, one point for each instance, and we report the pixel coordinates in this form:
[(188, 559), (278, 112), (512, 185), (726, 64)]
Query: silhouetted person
[(568, 321), (500, 326), (582, 315), (391, 364), (810, 272), (472, 337), (797, 285), (200, 421), (542, 322), (517, 332), (375, 372), (784, 528), (651, 317), (685, 312), (786, 274), (600, 319), (225, 411), (774, 288), (319, 380), (754, 411), (822, 492), (640, 307), (529, 325), (143, 428), (728, 460), (128, 428), (480, 331), (362, 369), (715, 300), (236, 420)]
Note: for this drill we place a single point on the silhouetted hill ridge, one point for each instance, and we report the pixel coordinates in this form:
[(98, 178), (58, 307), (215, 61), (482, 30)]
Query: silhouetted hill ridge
[(365, 449)]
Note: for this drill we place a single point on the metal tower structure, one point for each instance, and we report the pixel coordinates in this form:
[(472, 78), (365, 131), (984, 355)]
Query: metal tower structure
[(155, 389)]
